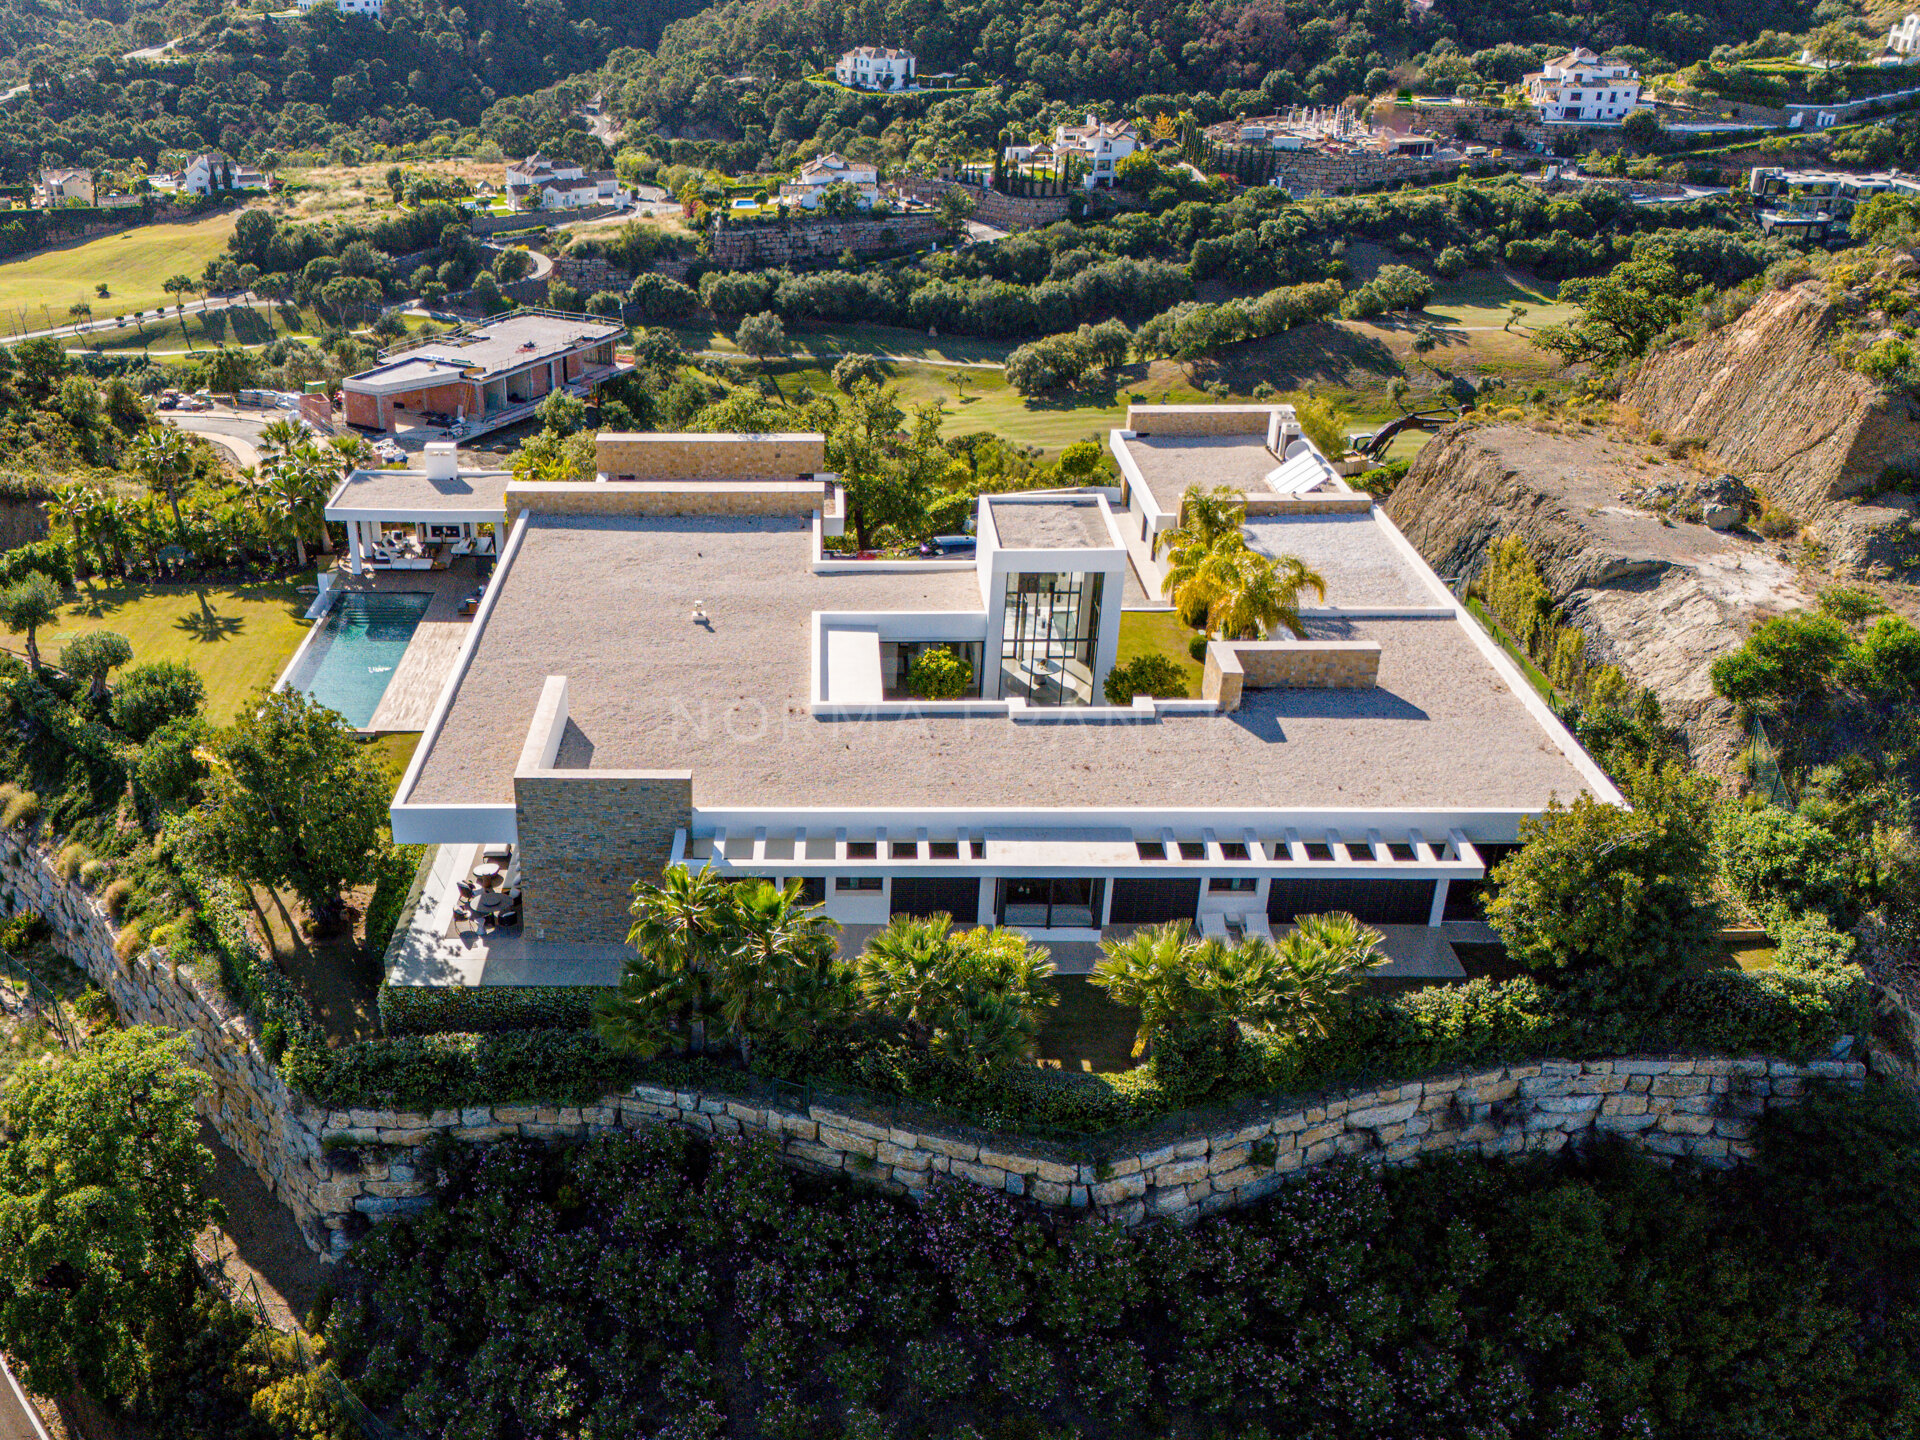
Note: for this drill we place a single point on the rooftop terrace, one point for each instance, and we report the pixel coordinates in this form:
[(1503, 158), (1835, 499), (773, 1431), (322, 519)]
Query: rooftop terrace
[(607, 603), (525, 337), (1058, 522)]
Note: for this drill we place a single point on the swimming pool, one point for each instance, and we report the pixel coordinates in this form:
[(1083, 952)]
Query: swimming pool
[(351, 658)]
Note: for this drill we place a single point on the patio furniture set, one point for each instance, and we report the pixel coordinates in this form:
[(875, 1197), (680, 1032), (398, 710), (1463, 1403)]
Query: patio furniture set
[(398, 550), (490, 896), (1219, 925)]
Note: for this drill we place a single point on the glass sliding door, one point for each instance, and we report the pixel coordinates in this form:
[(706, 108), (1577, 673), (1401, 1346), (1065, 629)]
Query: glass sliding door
[(1063, 903), (1050, 639)]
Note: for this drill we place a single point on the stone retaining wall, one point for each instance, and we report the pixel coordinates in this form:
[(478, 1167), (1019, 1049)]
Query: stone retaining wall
[(339, 1170), (802, 240)]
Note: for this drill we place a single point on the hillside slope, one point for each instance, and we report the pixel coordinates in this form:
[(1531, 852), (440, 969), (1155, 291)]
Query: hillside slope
[(1659, 599), (1769, 398)]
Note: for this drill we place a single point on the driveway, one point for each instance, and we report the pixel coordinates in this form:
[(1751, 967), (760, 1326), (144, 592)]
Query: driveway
[(17, 1418), (235, 431)]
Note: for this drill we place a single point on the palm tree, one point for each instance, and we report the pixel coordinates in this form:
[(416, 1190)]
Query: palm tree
[(782, 976), (682, 927), (1148, 971), (976, 997), (1206, 516), (1324, 962), (1198, 572), (1256, 596), (164, 458), (76, 509), (299, 485), (277, 438)]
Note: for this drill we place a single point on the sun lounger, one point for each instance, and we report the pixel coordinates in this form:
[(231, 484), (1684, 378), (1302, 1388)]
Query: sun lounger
[(1213, 925)]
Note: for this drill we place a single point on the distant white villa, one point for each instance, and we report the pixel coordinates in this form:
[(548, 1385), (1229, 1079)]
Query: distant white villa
[(373, 9), (832, 169), (563, 185), (1904, 38), (1103, 144), (211, 172), (876, 67), (1582, 86)]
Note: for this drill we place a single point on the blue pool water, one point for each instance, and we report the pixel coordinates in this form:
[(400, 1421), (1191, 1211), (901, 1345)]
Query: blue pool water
[(350, 662)]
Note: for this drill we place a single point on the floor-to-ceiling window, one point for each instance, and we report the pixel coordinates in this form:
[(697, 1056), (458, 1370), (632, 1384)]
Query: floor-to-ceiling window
[(1054, 903), (1051, 637)]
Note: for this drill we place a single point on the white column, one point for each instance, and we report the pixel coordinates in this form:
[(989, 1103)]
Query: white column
[(1439, 911), (353, 547)]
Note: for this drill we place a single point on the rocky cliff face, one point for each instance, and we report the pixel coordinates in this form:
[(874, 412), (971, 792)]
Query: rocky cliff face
[(1660, 598), (1772, 404)]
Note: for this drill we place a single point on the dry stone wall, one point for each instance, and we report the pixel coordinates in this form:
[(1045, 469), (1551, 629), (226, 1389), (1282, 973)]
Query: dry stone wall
[(339, 1170)]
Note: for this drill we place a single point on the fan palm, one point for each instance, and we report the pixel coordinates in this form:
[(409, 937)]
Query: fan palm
[(164, 458), (975, 997), (1197, 572), (278, 438), (1254, 595), (682, 927), (780, 974), (1324, 961)]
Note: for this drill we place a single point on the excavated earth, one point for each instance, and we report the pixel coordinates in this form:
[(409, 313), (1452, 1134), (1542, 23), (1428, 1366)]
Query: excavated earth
[(1764, 399), (1770, 401), (1661, 599)]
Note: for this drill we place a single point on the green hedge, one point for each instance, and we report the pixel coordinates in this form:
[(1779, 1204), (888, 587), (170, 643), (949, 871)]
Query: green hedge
[(1793, 1012), (441, 1009), (423, 1072), (397, 880)]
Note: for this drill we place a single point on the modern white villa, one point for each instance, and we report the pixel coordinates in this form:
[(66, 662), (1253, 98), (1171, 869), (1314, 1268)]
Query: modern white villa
[(668, 667)]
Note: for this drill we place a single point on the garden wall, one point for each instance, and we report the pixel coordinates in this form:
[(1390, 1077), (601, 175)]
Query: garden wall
[(337, 1170)]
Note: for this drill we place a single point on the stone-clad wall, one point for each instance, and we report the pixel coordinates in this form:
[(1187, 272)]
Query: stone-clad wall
[(803, 240), (709, 457), (668, 497), (336, 1170), (1236, 665), (252, 1110), (584, 836)]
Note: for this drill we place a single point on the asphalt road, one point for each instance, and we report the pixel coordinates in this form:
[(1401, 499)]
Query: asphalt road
[(17, 1420), (236, 432)]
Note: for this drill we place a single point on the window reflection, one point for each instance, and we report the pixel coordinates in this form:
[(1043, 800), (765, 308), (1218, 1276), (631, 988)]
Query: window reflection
[(1050, 640)]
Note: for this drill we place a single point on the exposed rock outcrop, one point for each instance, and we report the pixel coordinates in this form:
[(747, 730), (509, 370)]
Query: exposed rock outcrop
[(1769, 399), (1661, 599)]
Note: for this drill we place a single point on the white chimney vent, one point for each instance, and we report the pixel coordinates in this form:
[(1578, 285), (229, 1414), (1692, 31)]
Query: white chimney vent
[(442, 460)]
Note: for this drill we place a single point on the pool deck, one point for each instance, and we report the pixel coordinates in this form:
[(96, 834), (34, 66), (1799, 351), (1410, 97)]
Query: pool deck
[(423, 670)]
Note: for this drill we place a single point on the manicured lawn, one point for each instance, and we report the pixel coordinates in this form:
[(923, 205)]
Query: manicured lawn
[(395, 753), (1087, 1031), (132, 263), (1164, 632), (1470, 315), (239, 637), (176, 334)]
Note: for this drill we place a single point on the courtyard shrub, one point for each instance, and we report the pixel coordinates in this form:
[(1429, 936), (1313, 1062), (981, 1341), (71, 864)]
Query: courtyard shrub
[(939, 674), (1150, 673)]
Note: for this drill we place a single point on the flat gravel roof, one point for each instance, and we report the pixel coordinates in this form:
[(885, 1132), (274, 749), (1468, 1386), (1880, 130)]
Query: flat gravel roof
[(607, 603), (1059, 523), (1170, 463), (1362, 566), (405, 490)]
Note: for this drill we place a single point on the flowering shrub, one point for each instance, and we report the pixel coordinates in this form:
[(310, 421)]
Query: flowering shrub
[(658, 1286)]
